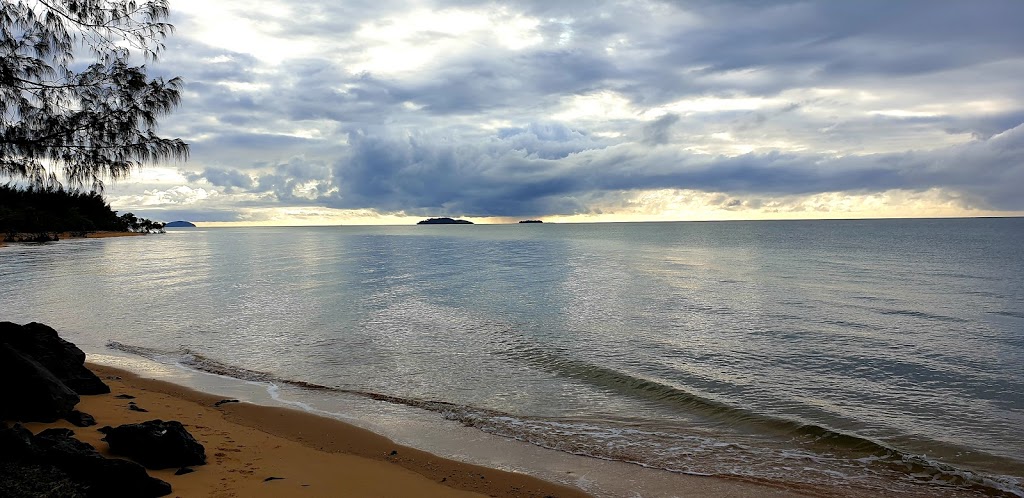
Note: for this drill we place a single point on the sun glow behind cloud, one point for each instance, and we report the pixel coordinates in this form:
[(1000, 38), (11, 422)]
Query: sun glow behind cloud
[(413, 41), (390, 112)]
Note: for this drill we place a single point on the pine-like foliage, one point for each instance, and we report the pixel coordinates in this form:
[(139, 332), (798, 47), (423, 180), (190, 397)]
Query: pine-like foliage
[(92, 124), (54, 209)]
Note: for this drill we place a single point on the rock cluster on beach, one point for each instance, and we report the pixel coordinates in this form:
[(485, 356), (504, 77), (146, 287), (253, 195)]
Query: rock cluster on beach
[(42, 377)]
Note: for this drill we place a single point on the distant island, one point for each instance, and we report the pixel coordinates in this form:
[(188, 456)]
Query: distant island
[(444, 221), (179, 224), (531, 221)]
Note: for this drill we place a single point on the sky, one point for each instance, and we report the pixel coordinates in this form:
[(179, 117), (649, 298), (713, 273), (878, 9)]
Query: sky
[(390, 111)]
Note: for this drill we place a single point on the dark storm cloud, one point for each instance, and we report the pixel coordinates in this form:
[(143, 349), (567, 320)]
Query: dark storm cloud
[(474, 131), (419, 175)]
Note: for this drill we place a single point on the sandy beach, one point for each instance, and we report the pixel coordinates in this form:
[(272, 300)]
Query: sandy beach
[(88, 235), (262, 451), (306, 455)]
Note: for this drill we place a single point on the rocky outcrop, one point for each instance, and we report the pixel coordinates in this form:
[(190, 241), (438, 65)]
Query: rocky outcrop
[(80, 419), (69, 468), (31, 392), (41, 377), (62, 358), (155, 444)]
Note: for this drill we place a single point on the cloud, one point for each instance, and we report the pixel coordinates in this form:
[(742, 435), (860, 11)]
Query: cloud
[(229, 178), (518, 172), (566, 108)]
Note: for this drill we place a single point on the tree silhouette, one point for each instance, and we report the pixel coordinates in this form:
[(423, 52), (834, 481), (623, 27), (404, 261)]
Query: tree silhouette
[(94, 124), (54, 209)]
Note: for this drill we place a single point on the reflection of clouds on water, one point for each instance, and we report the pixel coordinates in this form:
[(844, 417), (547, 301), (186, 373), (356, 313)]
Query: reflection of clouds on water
[(623, 339)]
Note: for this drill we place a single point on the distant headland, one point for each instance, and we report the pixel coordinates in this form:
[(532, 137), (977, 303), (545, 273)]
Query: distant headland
[(531, 221), (180, 224), (443, 221)]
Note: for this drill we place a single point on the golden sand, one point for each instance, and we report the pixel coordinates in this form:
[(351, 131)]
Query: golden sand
[(314, 456)]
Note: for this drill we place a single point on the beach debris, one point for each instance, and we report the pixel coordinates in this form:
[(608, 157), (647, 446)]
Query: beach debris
[(61, 358), (393, 453), (80, 419), (32, 393), (225, 401), (56, 457), (184, 470), (124, 396), (135, 408), (273, 479), (155, 444)]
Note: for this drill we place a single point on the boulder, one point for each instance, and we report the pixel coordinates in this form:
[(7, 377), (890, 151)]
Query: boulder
[(31, 392), (16, 443), (62, 358), (102, 477), (53, 463), (80, 419), (155, 444)]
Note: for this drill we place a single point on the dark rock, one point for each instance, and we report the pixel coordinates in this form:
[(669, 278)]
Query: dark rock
[(135, 408), (62, 358), (31, 392), (184, 470), (225, 401), (32, 480), (16, 443), (80, 419), (444, 221), (124, 396), (393, 453), (101, 476), (156, 444)]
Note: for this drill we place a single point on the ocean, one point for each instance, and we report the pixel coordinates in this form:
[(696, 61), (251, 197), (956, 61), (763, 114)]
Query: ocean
[(865, 357)]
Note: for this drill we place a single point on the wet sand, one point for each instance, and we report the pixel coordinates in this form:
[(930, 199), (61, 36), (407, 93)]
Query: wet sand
[(313, 456), (248, 444)]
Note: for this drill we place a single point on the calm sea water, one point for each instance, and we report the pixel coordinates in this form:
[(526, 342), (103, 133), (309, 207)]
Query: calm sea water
[(882, 356)]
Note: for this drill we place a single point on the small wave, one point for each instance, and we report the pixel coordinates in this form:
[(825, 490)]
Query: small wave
[(665, 450), (1012, 314), (921, 315)]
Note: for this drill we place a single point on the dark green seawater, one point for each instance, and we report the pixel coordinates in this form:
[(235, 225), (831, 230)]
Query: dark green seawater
[(883, 356)]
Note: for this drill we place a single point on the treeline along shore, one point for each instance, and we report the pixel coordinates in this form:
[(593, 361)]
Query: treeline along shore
[(40, 214)]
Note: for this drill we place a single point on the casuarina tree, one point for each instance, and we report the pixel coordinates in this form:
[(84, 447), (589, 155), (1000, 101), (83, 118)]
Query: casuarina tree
[(72, 102)]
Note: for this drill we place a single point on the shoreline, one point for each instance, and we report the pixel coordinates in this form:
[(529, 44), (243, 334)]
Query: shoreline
[(102, 234), (307, 455), (247, 442)]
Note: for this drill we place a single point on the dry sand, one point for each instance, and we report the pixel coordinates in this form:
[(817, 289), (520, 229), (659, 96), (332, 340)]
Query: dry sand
[(246, 444)]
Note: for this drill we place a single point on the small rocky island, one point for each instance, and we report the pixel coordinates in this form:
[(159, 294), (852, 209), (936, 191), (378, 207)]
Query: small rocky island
[(531, 221), (180, 224), (444, 221)]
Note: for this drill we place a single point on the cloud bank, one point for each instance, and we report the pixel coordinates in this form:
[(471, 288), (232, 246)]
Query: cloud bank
[(588, 109)]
